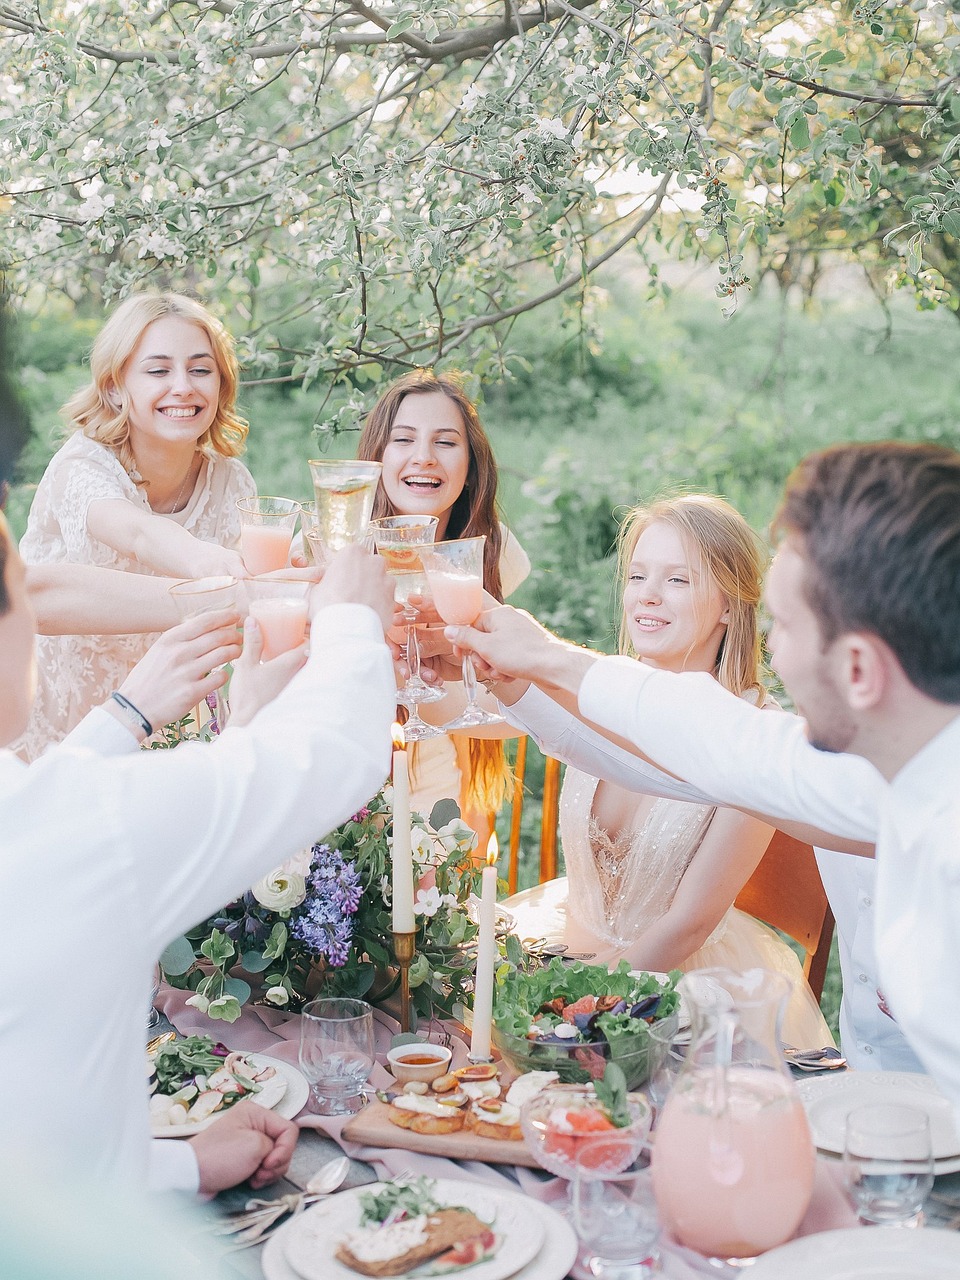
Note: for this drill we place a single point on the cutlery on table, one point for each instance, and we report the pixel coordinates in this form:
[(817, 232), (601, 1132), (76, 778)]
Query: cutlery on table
[(826, 1059), (259, 1217)]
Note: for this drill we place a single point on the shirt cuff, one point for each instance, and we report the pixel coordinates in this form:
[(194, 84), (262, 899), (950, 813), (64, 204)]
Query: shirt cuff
[(173, 1166), (101, 732), (337, 621)]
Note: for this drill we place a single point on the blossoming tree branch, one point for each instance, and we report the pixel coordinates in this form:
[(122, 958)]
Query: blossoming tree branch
[(394, 183)]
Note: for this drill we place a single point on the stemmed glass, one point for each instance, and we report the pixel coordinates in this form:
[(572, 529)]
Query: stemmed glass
[(208, 595), (455, 577), (398, 540), (266, 531), (614, 1211), (336, 1052), (344, 493), (888, 1163)]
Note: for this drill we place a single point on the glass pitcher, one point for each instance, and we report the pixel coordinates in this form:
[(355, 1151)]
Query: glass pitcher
[(733, 1159)]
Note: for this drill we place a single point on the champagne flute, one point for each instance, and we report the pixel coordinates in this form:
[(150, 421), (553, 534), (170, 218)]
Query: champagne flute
[(344, 493), (455, 577), (398, 540), (207, 595), (266, 531)]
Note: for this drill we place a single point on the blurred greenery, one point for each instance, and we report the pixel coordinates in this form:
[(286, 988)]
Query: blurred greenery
[(609, 406)]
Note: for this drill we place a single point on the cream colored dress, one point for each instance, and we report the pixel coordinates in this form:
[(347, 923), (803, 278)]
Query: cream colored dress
[(615, 889), (76, 672)]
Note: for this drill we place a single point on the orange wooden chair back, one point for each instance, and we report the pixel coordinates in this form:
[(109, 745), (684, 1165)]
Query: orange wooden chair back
[(548, 827), (786, 891)]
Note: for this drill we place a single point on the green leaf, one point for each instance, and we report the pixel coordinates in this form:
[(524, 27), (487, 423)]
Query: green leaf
[(237, 988), (800, 133), (831, 58), (612, 1093), (177, 958), (444, 811), (950, 223), (255, 962)]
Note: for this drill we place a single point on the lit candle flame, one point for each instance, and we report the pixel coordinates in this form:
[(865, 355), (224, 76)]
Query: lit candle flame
[(396, 734), (493, 850)]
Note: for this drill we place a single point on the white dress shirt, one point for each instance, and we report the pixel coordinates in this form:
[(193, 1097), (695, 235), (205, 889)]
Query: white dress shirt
[(763, 761), (104, 861)]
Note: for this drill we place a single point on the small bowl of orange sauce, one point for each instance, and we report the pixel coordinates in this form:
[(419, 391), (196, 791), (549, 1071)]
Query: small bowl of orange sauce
[(418, 1061)]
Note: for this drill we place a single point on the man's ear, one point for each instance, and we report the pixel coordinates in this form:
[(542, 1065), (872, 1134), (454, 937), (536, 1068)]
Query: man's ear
[(865, 669)]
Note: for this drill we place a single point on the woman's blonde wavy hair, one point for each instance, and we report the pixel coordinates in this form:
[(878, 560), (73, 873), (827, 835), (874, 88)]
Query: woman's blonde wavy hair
[(721, 546), (90, 409)]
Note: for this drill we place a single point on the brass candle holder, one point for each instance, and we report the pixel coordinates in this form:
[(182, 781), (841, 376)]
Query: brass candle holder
[(405, 948)]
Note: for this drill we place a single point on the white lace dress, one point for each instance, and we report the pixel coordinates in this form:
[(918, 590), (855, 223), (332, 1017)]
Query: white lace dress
[(75, 672), (615, 889)]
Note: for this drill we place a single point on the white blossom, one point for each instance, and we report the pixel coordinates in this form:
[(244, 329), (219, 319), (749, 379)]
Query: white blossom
[(277, 995), (429, 901)]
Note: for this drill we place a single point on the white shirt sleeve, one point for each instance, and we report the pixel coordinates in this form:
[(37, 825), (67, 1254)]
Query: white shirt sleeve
[(173, 1166), (101, 732), (741, 755), (559, 733)]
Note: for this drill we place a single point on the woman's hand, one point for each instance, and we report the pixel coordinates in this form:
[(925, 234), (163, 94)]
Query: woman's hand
[(213, 561), (182, 667), (256, 683)]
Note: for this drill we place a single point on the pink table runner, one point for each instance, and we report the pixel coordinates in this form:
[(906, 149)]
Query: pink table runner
[(264, 1030)]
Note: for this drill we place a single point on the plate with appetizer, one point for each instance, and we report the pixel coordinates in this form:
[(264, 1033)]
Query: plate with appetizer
[(198, 1080), (472, 1113), (419, 1227)]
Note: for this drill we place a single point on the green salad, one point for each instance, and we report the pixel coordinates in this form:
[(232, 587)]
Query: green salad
[(572, 1018)]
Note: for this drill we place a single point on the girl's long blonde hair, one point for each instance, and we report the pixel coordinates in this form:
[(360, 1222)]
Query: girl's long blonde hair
[(721, 546), (92, 411)]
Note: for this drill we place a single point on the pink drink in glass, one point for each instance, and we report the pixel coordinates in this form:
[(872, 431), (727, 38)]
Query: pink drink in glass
[(458, 597), (733, 1181), (282, 622), (265, 548)]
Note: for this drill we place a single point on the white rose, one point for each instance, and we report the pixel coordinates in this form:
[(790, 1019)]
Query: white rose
[(421, 846), (280, 890), (277, 995), (298, 865)]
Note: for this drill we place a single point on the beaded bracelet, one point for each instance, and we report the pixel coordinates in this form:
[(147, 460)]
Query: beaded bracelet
[(138, 715)]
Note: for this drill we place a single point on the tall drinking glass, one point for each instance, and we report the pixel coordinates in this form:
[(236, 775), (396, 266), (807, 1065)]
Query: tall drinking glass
[(614, 1211), (336, 1053), (266, 531), (344, 493), (399, 540), (208, 595), (455, 577), (888, 1163)]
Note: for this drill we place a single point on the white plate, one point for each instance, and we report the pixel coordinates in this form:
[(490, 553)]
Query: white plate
[(829, 1099), (311, 1239), (864, 1253), (286, 1093), (555, 1259)]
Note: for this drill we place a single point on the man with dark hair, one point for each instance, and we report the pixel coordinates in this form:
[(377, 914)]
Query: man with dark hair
[(865, 598)]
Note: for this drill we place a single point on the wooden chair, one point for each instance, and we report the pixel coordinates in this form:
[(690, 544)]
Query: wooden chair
[(786, 891), (548, 827)]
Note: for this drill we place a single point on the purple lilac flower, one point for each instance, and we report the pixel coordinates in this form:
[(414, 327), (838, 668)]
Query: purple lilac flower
[(323, 921)]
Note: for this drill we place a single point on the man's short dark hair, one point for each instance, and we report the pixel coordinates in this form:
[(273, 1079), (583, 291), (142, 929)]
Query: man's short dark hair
[(879, 528)]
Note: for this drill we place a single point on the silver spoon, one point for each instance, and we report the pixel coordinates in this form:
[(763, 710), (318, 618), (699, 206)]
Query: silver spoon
[(261, 1216)]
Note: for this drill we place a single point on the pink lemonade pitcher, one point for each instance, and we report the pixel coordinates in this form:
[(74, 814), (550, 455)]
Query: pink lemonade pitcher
[(733, 1159)]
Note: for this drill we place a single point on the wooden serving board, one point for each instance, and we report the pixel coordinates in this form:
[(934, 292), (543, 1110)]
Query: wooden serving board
[(372, 1127)]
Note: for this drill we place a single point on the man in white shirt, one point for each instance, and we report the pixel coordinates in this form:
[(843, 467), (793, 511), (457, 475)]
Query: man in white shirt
[(865, 599), (103, 861)]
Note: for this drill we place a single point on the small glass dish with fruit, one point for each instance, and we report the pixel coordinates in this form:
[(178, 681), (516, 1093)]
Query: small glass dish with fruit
[(558, 1121)]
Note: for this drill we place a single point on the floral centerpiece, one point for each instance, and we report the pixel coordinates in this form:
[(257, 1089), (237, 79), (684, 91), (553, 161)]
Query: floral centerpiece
[(321, 922)]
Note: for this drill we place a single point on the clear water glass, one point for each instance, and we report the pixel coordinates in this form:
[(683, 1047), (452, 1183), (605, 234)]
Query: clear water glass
[(336, 1053), (614, 1213), (888, 1164)]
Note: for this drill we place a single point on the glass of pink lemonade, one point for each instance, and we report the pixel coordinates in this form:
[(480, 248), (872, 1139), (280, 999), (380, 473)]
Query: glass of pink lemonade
[(279, 607), (208, 595), (266, 531), (733, 1160), (455, 577)]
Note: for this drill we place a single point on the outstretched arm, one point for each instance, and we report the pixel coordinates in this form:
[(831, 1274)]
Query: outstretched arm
[(160, 544), (85, 599)]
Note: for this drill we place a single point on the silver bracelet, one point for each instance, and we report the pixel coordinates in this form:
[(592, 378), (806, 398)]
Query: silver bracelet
[(133, 711)]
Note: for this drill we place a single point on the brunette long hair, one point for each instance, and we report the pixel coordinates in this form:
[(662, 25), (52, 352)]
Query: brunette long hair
[(722, 546), (94, 411), (474, 513)]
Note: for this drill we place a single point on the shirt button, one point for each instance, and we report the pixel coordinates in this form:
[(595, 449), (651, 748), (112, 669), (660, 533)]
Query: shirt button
[(868, 902), (862, 978), (868, 1048)]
